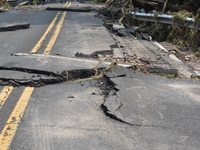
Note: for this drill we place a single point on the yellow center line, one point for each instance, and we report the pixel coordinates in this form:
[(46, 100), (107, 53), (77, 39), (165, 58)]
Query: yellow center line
[(55, 35), (69, 4), (13, 122), (5, 94), (57, 31), (66, 4), (38, 45)]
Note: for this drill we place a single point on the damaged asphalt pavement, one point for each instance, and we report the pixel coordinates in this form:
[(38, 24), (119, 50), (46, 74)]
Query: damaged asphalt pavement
[(68, 81)]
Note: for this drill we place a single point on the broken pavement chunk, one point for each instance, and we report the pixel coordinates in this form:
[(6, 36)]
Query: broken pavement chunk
[(28, 77), (73, 9), (14, 27)]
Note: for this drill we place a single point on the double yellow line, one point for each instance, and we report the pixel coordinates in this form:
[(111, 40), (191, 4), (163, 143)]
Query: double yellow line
[(14, 120), (53, 39), (67, 4)]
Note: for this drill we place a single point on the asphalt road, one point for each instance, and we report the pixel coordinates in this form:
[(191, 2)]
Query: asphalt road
[(124, 110)]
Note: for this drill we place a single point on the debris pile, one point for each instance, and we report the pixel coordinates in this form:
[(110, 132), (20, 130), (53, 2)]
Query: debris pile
[(118, 20)]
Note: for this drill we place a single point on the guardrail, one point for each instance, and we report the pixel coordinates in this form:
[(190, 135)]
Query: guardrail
[(165, 19)]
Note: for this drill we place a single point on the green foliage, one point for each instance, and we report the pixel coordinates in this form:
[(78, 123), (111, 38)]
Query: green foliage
[(181, 16), (184, 37), (96, 1), (197, 17), (7, 5), (33, 2), (197, 54)]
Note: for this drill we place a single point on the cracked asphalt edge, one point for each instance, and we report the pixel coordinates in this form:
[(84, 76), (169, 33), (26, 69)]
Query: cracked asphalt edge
[(14, 27), (38, 77), (111, 104), (108, 87)]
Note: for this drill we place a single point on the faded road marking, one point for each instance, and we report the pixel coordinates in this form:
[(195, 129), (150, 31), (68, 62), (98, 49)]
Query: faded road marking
[(13, 122)]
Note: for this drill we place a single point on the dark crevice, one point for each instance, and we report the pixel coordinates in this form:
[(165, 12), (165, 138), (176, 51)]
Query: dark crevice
[(15, 27), (69, 9), (108, 87), (119, 106), (36, 78), (112, 116), (40, 78)]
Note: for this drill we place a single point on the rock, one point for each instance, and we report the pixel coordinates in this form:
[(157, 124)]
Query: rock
[(146, 36), (138, 35), (188, 57), (197, 73), (173, 51), (2, 10)]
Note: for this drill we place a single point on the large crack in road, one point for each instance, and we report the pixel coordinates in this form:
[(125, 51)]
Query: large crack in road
[(14, 76), (17, 77)]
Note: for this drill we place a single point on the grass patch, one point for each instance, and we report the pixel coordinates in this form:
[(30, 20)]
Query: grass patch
[(178, 35), (197, 54), (33, 2), (7, 5)]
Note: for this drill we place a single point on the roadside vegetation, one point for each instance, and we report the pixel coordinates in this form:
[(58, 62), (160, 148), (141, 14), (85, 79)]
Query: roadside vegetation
[(188, 39), (3, 3), (33, 2)]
